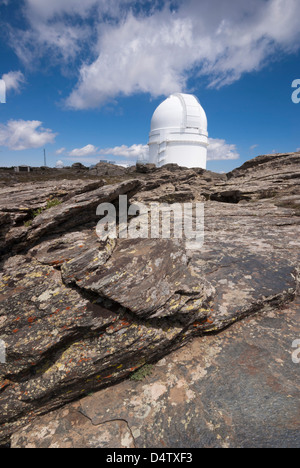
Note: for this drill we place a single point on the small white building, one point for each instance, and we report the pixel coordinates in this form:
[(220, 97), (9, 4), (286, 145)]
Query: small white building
[(22, 169), (179, 132), (59, 165)]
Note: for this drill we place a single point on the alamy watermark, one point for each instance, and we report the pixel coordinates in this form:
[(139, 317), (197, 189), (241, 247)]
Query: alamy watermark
[(152, 221), (2, 352), (296, 93), (2, 92), (296, 353)]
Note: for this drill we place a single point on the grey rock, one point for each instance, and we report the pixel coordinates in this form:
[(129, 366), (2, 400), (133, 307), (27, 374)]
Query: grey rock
[(237, 389), (77, 207), (79, 315), (145, 168), (73, 430), (79, 166), (106, 169)]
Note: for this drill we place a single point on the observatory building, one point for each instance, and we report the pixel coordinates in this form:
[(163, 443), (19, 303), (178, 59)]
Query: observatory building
[(59, 165), (179, 133)]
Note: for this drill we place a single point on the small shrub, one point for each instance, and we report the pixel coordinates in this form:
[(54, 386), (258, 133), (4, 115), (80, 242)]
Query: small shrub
[(51, 203), (142, 373), (37, 212), (28, 223)]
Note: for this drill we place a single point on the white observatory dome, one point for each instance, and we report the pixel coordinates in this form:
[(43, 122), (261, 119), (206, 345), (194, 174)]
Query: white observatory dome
[(59, 165), (179, 132)]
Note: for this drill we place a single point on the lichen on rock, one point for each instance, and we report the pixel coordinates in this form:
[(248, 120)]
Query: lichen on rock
[(78, 314)]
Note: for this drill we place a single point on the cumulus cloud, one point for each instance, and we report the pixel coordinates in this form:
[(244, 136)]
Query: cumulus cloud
[(141, 55), (46, 10), (85, 151), (91, 154), (60, 30), (61, 42), (134, 151), (155, 54), (21, 135), (13, 80), (60, 151), (126, 47), (219, 150)]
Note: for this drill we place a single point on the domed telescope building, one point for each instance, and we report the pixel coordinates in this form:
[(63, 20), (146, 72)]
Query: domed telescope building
[(179, 132)]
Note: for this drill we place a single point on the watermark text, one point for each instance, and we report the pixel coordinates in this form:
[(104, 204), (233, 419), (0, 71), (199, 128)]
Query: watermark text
[(152, 221), (2, 352), (296, 353), (296, 93), (2, 92)]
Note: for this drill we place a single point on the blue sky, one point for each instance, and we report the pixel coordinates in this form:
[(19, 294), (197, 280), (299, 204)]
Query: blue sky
[(84, 78)]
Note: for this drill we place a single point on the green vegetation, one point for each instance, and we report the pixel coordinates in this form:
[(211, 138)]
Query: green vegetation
[(142, 373), (51, 202), (37, 212), (28, 223)]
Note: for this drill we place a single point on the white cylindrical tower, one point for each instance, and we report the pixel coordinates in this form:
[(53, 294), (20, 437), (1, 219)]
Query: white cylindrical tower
[(179, 133)]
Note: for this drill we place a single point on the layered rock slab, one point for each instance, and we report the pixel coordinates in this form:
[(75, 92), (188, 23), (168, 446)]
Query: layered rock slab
[(62, 342), (76, 209), (120, 308), (238, 389)]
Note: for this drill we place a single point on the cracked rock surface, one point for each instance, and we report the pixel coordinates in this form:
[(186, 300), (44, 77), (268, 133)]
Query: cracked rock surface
[(78, 314), (239, 388)]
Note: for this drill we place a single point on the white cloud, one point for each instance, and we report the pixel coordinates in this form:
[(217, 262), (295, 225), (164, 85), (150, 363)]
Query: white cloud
[(85, 151), (140, 55), (133, 151), (13, 80), (219, 150), (21, 135), (59, 41), (46, 10), (156, 54), (59, 29), (125, 47), (60, 151)]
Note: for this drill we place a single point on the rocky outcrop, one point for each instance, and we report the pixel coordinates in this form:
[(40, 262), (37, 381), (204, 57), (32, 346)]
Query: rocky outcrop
[(106, 169), (237, 389), (145, 168), (78, 314), (75, 205)]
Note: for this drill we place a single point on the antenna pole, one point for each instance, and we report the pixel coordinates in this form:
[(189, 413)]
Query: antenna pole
[(45, 162)]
